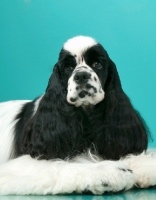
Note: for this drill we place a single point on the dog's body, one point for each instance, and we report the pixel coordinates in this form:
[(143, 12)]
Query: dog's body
[(83, 117)]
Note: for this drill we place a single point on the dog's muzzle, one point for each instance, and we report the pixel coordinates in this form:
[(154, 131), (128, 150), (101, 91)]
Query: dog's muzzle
[(84, 87)]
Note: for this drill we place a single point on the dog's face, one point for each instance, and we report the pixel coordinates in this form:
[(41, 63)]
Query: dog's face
[(84, 68)]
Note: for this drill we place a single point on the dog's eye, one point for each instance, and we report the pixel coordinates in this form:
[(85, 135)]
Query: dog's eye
[(69, 68), (97, 65)]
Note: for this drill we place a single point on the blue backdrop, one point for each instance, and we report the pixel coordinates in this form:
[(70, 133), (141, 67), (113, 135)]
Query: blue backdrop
[(32, 33)]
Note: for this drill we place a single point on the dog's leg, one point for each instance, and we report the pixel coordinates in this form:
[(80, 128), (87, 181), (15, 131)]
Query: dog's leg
[(144, 168), (25, 175)]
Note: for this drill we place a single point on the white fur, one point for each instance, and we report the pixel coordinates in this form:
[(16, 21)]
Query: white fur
[(77, 45), (25, 175), (73, 93), (8, 111), (144, 168), (37, 104)]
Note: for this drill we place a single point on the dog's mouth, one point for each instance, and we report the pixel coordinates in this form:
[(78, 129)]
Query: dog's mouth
[(86, 90), (85, 94)]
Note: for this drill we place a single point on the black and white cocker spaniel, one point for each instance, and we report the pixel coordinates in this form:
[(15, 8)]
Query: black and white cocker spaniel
[(82, 135)]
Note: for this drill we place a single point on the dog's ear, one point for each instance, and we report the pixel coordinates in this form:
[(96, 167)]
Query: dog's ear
[(51, 132), (123, 131), (55, 81), (113, 80)]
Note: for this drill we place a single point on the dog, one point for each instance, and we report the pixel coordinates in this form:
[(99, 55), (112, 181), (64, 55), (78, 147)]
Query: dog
[(82, 135)]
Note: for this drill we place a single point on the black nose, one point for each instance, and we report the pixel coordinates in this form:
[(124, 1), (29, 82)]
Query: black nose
[(82, 77)]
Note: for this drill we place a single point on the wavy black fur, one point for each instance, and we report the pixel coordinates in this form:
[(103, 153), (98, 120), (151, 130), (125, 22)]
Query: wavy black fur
[(112, 129)]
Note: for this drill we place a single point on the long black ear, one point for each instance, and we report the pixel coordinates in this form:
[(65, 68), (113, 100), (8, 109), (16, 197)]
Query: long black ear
[(52, 131), (123, 131), (113, 81)]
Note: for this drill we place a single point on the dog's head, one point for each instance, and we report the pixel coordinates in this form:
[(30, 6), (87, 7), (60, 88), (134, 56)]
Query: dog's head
[(84, 67)]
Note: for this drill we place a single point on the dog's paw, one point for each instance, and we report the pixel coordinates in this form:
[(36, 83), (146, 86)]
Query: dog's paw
[(60, 177), (107, 177), (144, 168)]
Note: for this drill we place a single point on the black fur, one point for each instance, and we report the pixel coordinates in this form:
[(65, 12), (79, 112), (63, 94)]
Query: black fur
[(111, 129)]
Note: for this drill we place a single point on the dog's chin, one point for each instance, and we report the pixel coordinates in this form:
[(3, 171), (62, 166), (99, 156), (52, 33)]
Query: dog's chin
[(85, 99)]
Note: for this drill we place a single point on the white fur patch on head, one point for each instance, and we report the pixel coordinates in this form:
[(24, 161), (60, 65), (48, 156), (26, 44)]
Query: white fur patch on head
[(77, 45)]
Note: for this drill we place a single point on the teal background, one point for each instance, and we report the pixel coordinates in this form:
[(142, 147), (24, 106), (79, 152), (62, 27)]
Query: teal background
[(32, 33)]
